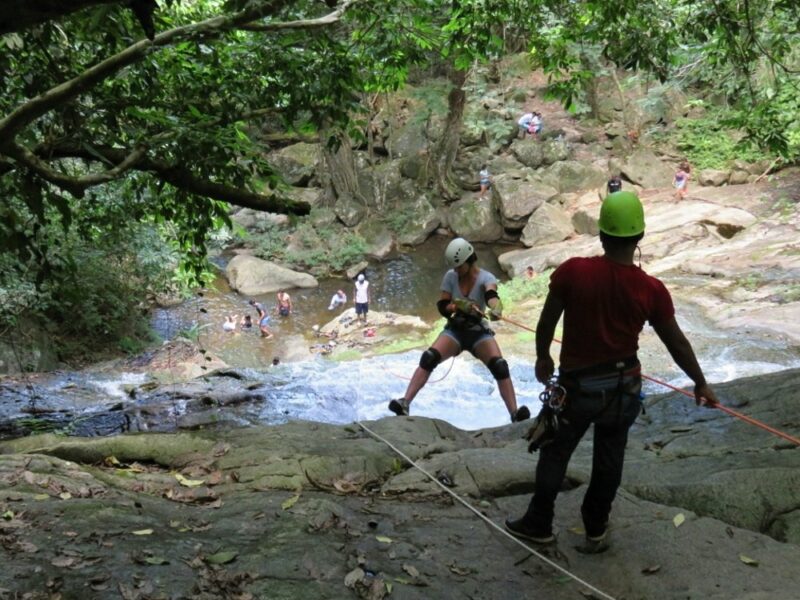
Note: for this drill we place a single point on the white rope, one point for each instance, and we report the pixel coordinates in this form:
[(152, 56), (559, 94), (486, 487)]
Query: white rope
[(486, 519)]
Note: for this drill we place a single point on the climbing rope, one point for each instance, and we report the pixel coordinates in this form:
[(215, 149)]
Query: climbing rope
[(484, 518), (725, 409), (442, 378)]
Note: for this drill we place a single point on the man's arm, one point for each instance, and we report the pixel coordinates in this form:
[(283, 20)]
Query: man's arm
[(545, 330), (682, 353)]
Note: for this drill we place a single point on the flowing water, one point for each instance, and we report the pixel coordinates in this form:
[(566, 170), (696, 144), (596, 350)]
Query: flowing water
[(461, 391)]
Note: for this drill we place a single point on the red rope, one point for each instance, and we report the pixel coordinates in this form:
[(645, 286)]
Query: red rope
[(450, 368), (725, 409)]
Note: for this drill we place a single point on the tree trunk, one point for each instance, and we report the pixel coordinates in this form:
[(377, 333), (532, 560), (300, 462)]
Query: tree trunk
[(341, 165), (444, 154)]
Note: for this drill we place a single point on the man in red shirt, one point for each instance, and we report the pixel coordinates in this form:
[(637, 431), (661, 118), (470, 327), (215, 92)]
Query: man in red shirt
[(605, 301)]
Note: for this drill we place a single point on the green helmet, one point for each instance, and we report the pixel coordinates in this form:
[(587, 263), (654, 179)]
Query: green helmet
[(621, 215), (457, 252)]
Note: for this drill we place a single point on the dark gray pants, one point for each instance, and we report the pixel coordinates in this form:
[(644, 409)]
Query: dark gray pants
[(612, 404)]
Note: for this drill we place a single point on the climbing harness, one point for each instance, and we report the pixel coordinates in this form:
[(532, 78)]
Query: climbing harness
[(545, 426), (595, 591)]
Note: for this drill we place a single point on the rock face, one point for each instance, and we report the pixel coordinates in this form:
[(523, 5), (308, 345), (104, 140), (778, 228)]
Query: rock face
[(252, 276), (708, 509), (644, 168)]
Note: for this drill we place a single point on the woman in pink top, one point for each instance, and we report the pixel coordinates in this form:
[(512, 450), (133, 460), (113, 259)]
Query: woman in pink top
[(681, 180)]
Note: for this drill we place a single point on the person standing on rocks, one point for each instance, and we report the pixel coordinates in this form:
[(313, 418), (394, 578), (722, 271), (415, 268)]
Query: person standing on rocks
[(681, 181), (605, 301), (486, 181), (614, 184), (466, 292), (361, 298)]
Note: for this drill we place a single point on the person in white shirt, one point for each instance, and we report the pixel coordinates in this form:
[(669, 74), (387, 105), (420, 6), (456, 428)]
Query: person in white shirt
[(338, 299), (230, 323), (362, 298), (524, 122)]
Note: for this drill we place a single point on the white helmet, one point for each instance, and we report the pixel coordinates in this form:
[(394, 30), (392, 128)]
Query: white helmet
[(361, 277), (457, 252)]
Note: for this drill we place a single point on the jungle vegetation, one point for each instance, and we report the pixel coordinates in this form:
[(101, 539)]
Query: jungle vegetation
[(127, 129)]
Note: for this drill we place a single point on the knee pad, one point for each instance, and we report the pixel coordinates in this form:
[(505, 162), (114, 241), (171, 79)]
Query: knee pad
[(430, 359), (499, 368)]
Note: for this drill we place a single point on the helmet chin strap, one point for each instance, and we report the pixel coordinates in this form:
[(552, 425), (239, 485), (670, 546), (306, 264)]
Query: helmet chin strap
[(639, 256)]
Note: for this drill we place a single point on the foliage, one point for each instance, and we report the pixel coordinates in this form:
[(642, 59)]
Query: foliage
[(746, 51), (521, 288), (311, 247), (709, 144)]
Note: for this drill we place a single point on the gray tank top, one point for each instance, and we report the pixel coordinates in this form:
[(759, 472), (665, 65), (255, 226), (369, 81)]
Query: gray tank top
[(476, 294)]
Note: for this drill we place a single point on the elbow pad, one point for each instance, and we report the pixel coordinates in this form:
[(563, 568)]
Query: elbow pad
[(442, 306), (489, 294)]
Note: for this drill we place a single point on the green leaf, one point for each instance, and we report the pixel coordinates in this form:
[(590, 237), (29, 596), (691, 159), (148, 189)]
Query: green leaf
[(221, 558)]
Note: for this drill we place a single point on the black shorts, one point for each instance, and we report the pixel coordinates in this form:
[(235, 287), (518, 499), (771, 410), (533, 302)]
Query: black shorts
[(362, 308), (469, 337)]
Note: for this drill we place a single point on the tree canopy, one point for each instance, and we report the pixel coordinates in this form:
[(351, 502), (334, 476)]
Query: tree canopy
[(164, 113)]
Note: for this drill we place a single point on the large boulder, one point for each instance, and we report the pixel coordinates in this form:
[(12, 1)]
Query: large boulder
[(407, 140), (585, 212), (644, 168), (382, 183), (349, 210), (423, 221), (554, 150), (253, 276), (548, 256), (519, 198), (477, 221), (529, 152), (714, 177), (739, 177), (297, 163), (574, 176), (378, 239), (547, 224), (258, 221)]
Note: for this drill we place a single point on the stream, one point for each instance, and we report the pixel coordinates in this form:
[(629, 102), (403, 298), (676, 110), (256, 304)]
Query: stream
[(461, 391)]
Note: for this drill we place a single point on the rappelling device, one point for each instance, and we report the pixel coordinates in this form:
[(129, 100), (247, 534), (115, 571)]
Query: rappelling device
[(545, 425)]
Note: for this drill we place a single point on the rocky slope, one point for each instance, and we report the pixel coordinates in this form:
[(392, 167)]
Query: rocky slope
[(709, 508)]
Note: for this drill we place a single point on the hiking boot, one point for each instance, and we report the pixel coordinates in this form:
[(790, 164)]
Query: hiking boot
[(524, 531), (594, 544), (399, 407), (522, 414)]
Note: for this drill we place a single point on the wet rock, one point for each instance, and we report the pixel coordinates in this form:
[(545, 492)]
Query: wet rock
[(340, 511)]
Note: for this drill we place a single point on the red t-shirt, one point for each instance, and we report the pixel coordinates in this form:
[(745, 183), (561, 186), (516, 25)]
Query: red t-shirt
[(605, 307)]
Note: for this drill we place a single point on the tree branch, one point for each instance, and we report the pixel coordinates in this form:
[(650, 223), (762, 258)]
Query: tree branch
[(46, 101), (328, 19), (177, 176), (74, 185)]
